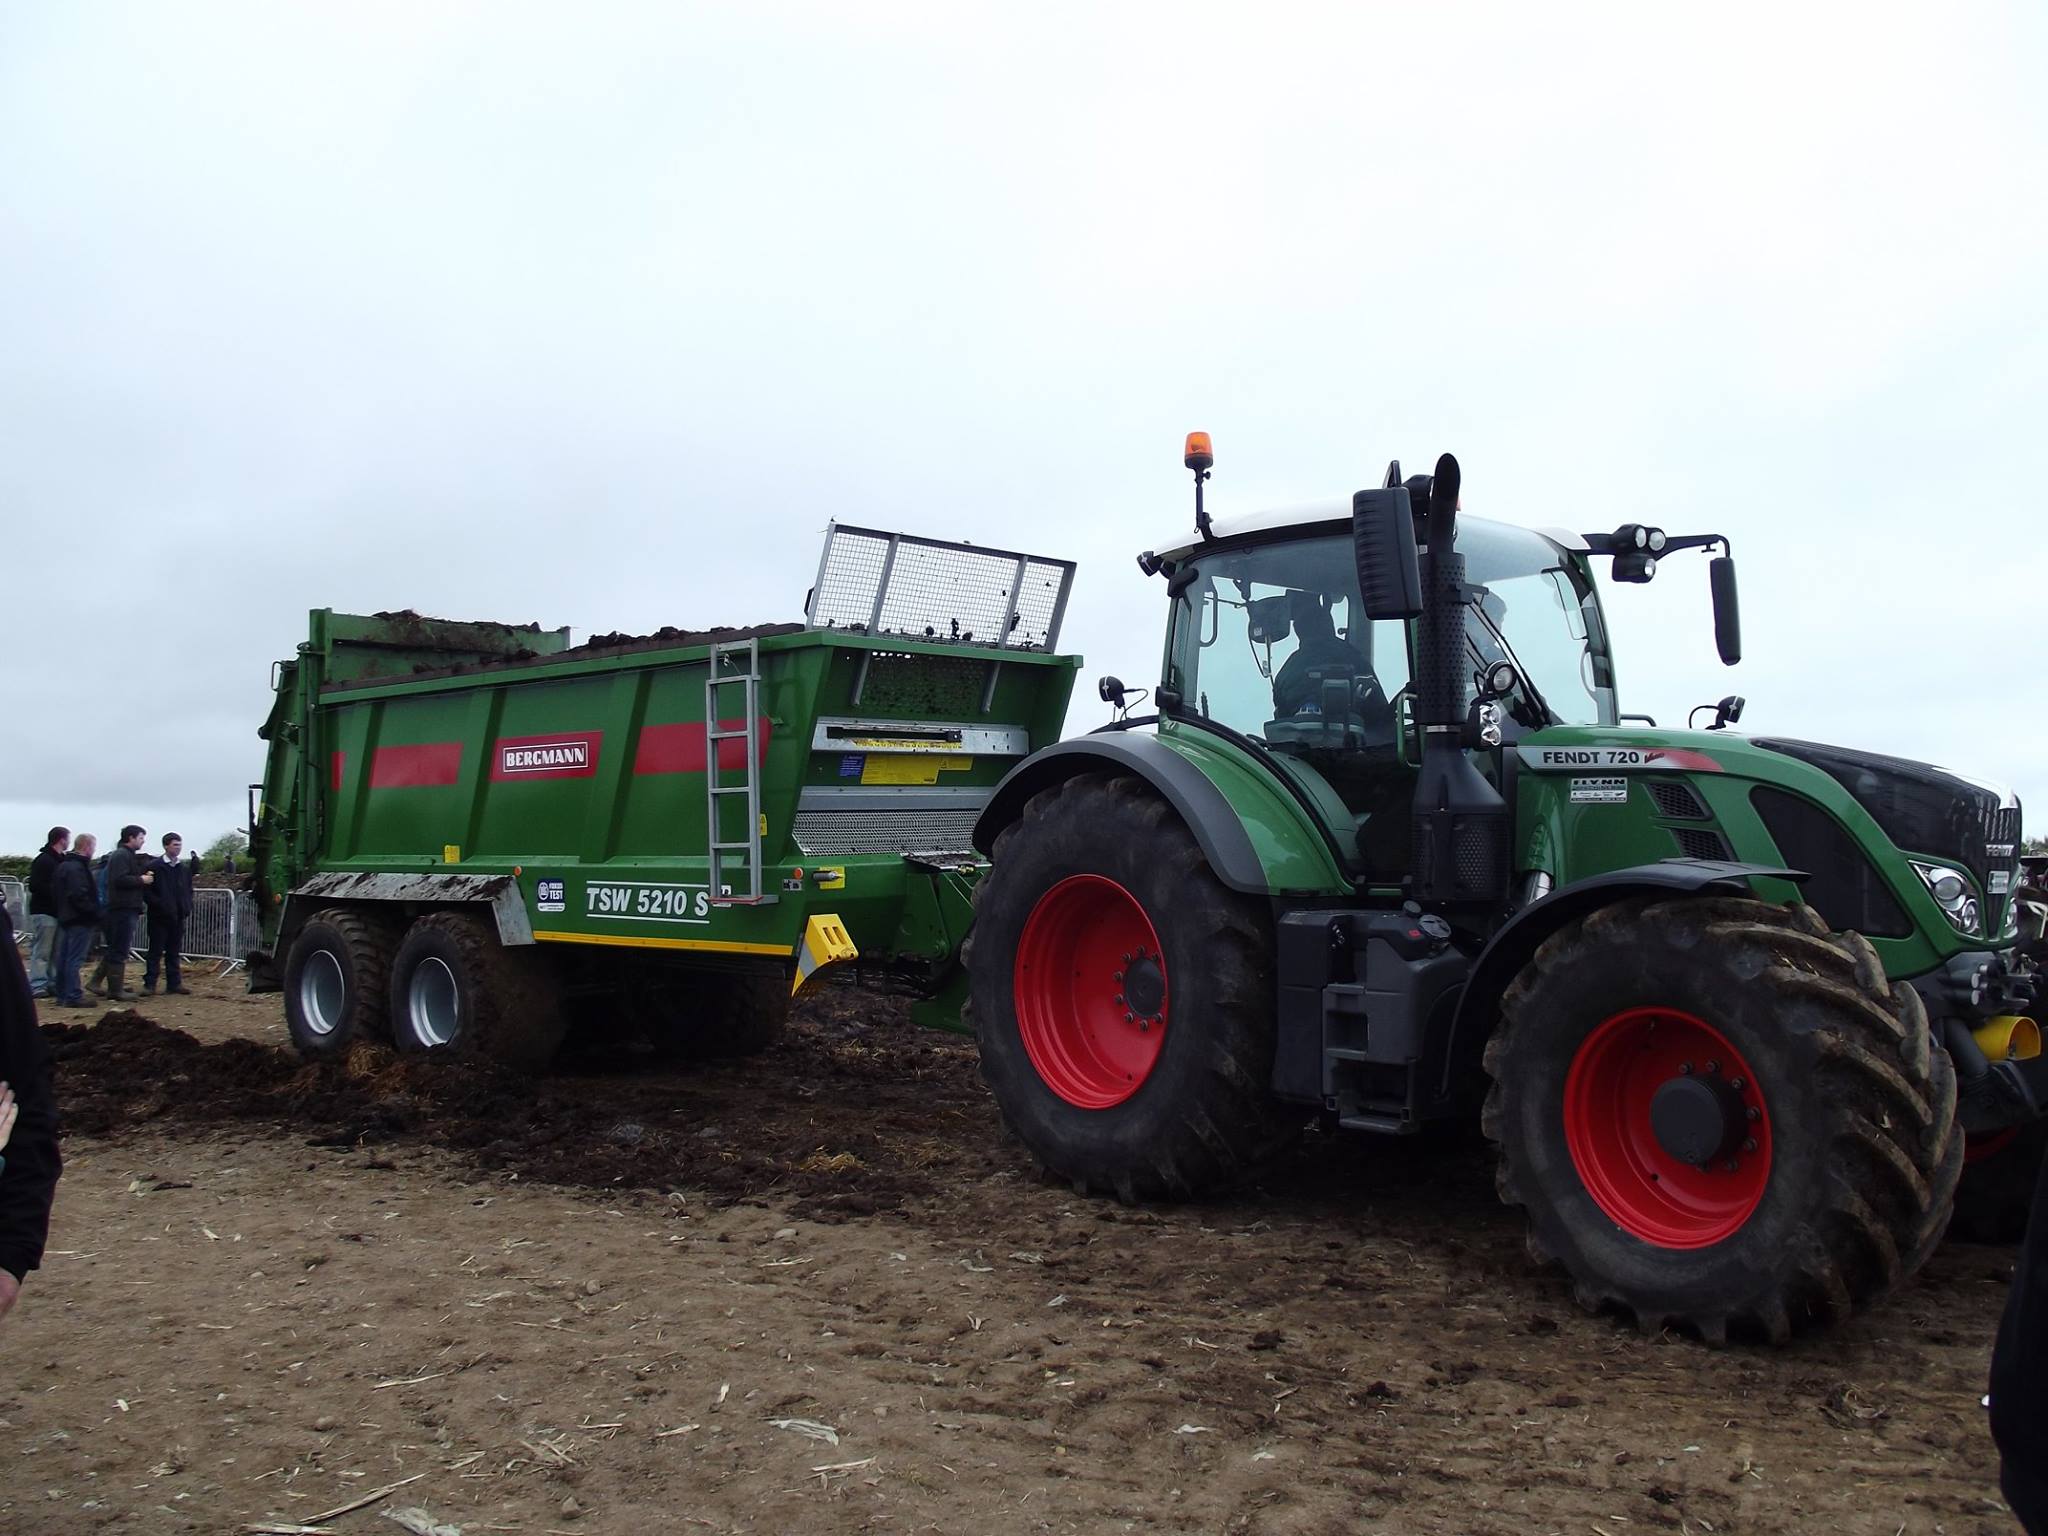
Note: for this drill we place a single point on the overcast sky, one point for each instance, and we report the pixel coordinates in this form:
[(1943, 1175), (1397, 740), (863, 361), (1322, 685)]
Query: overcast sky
[(596, 314)]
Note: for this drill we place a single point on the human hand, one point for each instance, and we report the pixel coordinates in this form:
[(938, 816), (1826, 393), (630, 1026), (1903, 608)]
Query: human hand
[(149, 878), (8, 1111), (9, 1289)]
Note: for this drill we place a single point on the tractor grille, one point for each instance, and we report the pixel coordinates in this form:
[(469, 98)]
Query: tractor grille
[(1676, 800), (885, 831), (1699, 843)]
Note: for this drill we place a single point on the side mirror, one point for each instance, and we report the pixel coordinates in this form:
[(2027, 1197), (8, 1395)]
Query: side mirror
[(1383, 543), (1727, 609), (1111, 690)]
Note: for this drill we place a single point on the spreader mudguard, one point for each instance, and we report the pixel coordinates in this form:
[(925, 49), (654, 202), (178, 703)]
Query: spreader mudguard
[(1289, 853)]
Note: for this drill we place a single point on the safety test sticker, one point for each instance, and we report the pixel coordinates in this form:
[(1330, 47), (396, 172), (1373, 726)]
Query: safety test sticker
[(1609, 791)]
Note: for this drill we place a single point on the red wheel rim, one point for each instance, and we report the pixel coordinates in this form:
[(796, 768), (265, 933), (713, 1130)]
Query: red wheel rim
[(1644, 1187), (1090, 989)]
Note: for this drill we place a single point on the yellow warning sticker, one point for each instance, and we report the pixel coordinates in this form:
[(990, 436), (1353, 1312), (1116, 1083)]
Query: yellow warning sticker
[(906, 768)]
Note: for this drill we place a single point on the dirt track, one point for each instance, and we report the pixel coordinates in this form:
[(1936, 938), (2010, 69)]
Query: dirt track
[(582, 1305)]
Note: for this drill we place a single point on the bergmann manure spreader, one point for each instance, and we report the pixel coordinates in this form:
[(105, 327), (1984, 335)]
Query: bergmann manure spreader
[(470, 835), (1736, 1012)]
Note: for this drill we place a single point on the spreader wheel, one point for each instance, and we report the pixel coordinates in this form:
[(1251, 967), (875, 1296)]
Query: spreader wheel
[(1721, 1117), (1122, 997)]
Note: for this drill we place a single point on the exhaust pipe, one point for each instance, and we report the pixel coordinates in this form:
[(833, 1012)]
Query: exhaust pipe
[(1460, 821)]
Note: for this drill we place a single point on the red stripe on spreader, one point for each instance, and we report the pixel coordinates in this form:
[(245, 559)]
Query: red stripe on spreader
[(561, 755), (679, 748), (335, 774), (430, 764)]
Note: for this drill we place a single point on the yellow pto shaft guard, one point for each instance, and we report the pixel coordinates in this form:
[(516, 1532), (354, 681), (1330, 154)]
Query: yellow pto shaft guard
[(2009, 1037)]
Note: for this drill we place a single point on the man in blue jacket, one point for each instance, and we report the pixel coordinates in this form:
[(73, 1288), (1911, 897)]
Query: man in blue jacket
[(170, 902)]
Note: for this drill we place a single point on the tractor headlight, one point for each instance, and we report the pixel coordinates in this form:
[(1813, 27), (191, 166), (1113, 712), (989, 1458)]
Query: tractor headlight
[(1951, 891)]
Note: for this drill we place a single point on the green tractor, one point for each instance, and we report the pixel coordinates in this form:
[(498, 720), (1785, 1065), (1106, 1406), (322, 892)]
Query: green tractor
[(1740, 1015)]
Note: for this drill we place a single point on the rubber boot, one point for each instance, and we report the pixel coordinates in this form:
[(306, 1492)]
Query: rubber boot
[(117, 981)]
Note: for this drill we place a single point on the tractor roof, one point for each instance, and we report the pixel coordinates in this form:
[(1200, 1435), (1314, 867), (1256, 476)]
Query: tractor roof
[(1313, 516)]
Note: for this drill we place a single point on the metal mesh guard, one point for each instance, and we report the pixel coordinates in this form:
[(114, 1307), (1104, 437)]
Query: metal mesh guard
[(927, 589)]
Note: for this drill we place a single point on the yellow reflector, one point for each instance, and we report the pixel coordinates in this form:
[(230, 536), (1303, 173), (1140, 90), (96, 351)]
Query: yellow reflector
[(826, 942), (2009, 1037)]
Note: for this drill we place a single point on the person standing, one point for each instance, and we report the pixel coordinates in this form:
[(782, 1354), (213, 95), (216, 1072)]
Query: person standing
[(28, 1126), (42, 912), (170, 903), (78, 917), (129, 878)]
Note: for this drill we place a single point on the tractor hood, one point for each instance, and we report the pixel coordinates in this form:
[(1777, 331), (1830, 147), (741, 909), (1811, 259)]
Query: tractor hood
[(1926, 810)]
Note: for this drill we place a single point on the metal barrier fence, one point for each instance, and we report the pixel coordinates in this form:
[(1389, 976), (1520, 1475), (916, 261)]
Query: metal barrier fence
[(222, 925)]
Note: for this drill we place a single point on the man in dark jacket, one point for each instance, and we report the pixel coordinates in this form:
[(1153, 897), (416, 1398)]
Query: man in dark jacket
[(42, 911), (78, 917), (129, 877), (28, 1181), (170, 903)]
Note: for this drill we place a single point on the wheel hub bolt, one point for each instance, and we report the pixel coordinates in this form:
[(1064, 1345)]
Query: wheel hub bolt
[(1685, 1069), (1753, 1113), (1118, 999), (1731, 1165), (1713, 1066), (1119, 976), (1128, 1018), (1749, 1143), (1738, 1084)]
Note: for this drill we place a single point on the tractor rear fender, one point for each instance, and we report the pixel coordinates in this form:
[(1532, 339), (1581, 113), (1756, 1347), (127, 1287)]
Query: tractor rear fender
[(1511, 948), (1288, 854)]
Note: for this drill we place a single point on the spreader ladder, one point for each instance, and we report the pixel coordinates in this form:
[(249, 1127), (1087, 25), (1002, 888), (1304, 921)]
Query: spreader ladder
[(735, 861)]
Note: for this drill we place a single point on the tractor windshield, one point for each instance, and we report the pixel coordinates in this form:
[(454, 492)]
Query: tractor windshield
[(1542, 614), (1271, 640)]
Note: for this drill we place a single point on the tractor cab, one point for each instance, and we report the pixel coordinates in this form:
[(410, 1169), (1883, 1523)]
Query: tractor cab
[(1270, 640)]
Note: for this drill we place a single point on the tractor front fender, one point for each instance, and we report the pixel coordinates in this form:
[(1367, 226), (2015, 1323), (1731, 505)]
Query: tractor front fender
[(1512, 947), (1255, 837)]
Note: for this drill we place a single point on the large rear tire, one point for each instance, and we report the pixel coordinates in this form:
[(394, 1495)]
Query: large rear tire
[(1122, 998), (337, 981), (1720, 1117), (455, 988)]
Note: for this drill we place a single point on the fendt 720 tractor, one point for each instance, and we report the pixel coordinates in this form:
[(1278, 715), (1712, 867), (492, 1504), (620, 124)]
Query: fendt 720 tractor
[(1736, 1012)]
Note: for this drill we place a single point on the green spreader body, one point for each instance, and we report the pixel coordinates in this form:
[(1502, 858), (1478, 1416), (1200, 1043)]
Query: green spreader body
[(721, 796)]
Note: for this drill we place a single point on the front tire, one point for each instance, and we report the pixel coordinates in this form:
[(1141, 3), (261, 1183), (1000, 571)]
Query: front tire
[(1720, 1117), (336, 982), (455, 988), (1997, 1192), (1122, 998)]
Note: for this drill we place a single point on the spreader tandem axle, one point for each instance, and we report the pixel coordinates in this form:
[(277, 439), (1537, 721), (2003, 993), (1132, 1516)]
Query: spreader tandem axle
[(1739, 1014)]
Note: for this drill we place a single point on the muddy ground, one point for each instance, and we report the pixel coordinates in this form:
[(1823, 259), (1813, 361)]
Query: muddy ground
[(817, 1292)]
